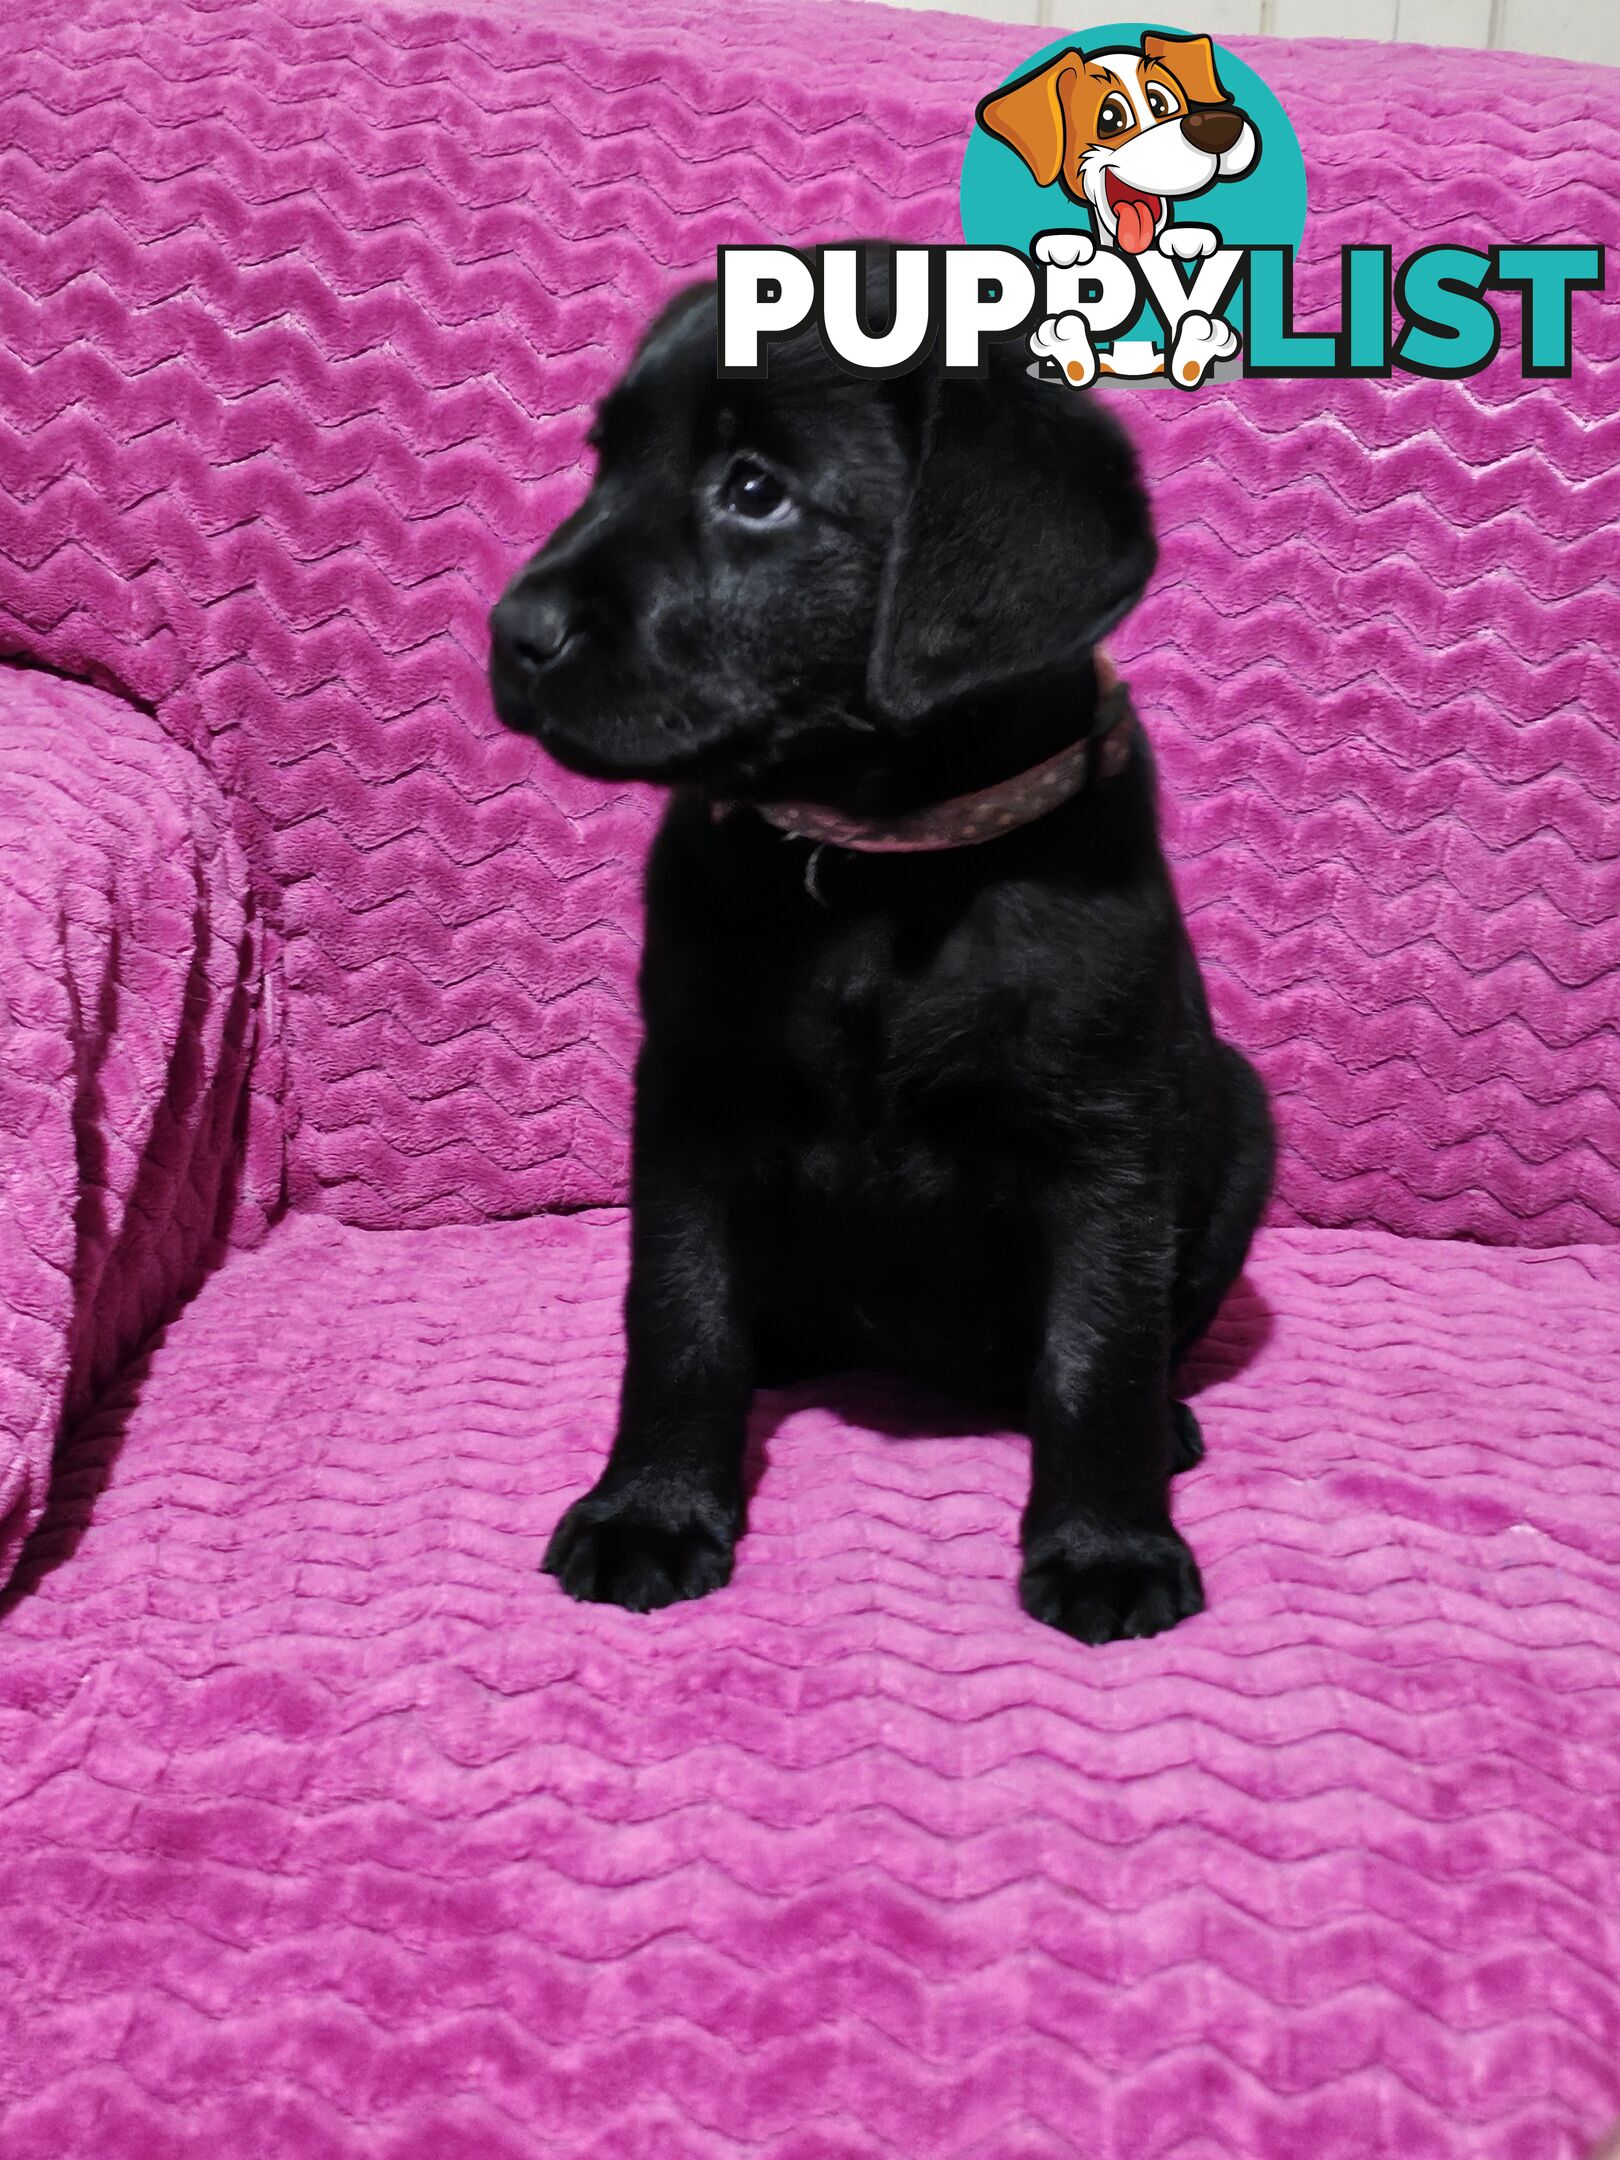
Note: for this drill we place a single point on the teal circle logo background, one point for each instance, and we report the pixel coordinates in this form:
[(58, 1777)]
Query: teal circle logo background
[(1003, 207)]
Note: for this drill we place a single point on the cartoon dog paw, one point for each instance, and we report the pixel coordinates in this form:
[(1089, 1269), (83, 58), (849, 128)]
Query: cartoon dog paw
[(1189, 243), (1066, 339), (1200, 341), (1065, 250)]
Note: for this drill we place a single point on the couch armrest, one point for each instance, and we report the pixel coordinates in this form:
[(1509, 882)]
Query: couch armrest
[(129, 1016)]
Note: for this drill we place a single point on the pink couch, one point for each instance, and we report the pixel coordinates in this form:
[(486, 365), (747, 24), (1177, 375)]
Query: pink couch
[(330, 1828)]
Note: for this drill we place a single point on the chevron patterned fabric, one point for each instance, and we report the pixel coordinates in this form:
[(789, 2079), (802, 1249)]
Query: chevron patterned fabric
[(131, 1144), (331, 1828), (304, 311)]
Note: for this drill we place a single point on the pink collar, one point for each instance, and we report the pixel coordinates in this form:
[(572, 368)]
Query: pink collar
[(968, 820)]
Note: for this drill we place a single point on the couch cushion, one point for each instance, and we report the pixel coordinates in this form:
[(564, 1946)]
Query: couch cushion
[(303, 304), (332, 1828), (132, 1136)]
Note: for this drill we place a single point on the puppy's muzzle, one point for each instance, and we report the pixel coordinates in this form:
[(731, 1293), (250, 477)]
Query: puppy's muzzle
[(1214, 130), (531, 628)]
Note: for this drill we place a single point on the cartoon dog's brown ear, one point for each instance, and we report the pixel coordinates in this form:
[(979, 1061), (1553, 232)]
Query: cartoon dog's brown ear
[(1028, 116), (1191, 60)]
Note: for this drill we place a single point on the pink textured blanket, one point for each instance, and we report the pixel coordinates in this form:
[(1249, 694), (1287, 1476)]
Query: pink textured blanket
[(335, 1829), (329, 1830), (302, 308), (128, 999)]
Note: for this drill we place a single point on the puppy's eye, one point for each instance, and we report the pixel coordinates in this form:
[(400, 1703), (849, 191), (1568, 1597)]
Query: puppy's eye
[(1161, 103), (1114, 118), (750, 491)]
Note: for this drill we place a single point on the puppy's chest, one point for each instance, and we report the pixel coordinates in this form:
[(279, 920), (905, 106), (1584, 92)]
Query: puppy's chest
[(896, 1045)]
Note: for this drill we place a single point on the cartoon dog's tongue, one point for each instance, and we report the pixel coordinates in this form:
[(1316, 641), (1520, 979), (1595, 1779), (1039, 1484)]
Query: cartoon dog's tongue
[(1136, 214)]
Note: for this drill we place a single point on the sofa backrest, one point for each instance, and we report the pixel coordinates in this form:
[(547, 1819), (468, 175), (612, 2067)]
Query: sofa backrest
[(304, 308)]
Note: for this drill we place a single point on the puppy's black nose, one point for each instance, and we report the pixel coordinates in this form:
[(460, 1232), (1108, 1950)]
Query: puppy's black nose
[(1213, 130), (531, 626)]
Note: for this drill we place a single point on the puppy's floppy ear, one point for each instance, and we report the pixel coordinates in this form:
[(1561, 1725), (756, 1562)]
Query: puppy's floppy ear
[(1191, 60), (1025, 538), (1029, 116)]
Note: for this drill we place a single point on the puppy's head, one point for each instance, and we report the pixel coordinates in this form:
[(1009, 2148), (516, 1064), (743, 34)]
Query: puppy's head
[(1126, 132), (791, 577)]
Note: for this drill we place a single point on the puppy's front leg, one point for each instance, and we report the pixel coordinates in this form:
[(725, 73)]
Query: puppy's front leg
[(661, 1522), (1101, 1559)]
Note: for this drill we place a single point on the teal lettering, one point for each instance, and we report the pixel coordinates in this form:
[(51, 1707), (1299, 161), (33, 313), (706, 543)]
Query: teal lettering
[(1449, 329)]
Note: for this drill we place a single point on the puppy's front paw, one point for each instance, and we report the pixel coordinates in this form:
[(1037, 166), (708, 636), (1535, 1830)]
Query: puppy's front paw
[(643, 1545), (1105, 1585)]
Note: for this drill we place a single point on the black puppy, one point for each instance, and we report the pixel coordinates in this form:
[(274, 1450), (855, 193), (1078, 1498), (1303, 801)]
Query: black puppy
[(956, 1112)]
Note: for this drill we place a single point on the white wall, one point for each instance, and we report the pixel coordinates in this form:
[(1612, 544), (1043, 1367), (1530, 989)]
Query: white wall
[(1573, 29)]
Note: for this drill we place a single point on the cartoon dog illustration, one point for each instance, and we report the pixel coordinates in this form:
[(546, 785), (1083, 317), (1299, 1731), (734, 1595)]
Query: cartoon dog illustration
[(1064, 343), (1127, 133)]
